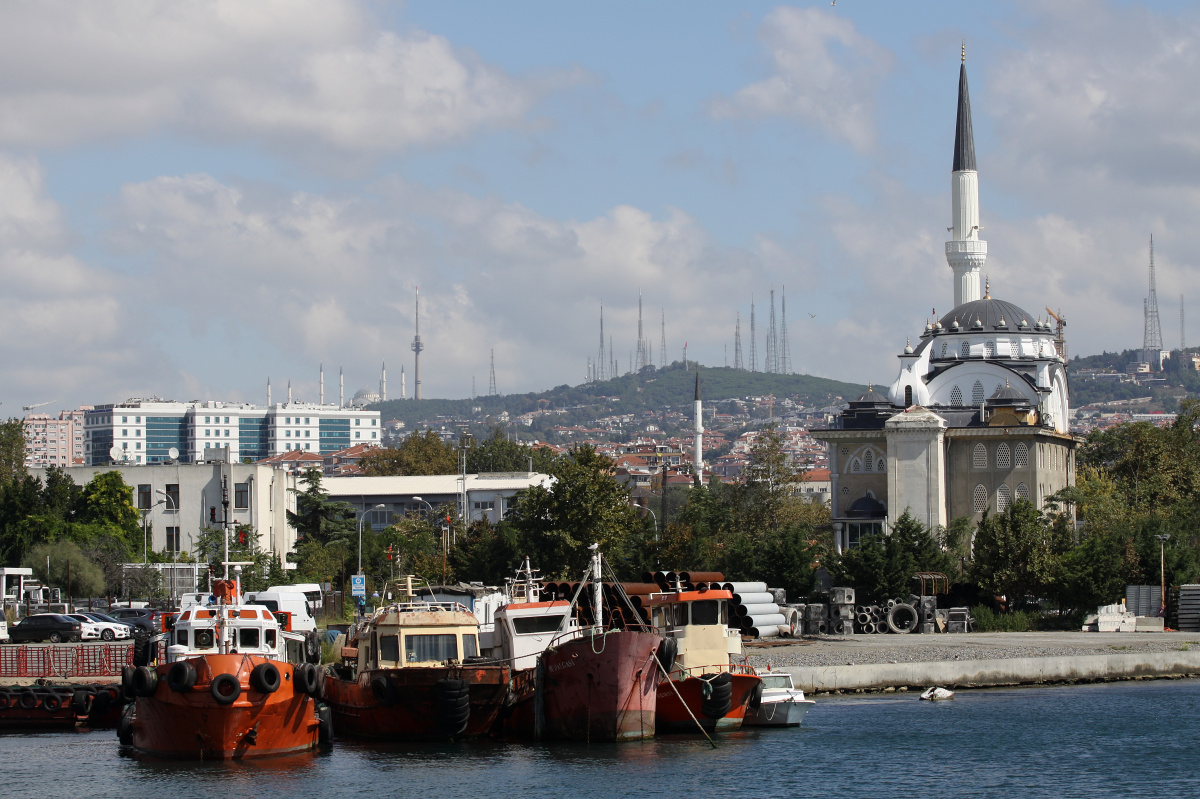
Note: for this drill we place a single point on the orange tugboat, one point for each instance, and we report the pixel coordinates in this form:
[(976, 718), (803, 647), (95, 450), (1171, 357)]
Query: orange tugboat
[(412, 672), (226, 690), (572, 683), (705, 690)]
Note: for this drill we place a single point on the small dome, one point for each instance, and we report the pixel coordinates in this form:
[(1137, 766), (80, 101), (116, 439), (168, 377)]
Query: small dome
[(872, 397), (1007, 395)]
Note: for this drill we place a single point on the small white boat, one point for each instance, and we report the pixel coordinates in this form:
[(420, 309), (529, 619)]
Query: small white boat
[(782, 705), (936, 694)]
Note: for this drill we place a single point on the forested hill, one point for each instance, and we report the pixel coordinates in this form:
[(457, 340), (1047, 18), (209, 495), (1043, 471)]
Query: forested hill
[(651, 389), (1179, 380)]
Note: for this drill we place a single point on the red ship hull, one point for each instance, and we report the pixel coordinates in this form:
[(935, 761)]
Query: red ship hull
[(412, 710), (590, 695), (192, 724), (685, 692)]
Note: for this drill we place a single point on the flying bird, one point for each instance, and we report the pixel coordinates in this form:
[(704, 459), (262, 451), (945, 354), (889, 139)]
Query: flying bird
[(813, 315)]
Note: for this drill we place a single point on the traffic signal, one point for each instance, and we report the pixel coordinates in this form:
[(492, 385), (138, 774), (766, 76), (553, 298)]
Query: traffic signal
[(212, 515), (389, 551)]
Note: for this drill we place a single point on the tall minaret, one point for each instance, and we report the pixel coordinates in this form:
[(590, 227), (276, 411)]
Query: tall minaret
[(416, 347), (341, 388), (268, 392), (289, 392), (698, 447), (322, 384), (403, 386), (966, 252), (383, 383)]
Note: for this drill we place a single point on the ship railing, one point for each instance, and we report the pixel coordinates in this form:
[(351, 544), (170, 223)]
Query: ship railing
[(425, 607), (679, 673)]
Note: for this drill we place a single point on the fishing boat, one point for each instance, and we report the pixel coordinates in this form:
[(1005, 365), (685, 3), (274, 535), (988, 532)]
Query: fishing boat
[(571, 681), (225, 689), (413, 672), (782, 703), (705, 690)]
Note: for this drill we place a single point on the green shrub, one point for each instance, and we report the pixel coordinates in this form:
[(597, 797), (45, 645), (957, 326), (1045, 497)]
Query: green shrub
[(988, 621)]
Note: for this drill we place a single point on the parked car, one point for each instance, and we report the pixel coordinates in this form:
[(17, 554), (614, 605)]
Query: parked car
[(89, 630), (52, 627), (106, 629), (145, 621)]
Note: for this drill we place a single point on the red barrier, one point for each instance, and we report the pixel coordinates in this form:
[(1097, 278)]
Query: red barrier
[(83, 660)]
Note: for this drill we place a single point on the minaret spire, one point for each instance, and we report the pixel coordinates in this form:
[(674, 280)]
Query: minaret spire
[(698, 428), (965, 252), (416, 345)]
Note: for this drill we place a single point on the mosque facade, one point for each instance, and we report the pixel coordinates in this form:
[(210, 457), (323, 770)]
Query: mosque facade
[(978, 416)]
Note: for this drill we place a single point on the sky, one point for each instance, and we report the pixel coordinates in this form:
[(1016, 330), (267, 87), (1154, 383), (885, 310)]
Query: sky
[(196, 197)]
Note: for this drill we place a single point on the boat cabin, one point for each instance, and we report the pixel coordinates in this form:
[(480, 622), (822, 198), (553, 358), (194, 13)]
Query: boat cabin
[(230, 629), (416, 634), (698, 620), (526, 629)]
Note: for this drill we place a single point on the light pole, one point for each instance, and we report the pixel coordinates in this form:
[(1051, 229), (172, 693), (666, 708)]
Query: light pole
[(1162, 555), (362, 519), (655, 518), (172, 508)]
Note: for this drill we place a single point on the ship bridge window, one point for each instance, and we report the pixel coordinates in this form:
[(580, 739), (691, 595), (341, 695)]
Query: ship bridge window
[(681, 614), (470, 646), (249, 638), (531, 625), (271, 639), (204, 639), (389, 648), (706, 611), (181, 637), (428, 648)]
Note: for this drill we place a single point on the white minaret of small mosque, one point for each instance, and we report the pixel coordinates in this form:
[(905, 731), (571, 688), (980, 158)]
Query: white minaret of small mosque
[(341, 389), (698, 446), (966, 252), (289, 392), (383, 383), (403, 387), (268, 392), (322, 384)]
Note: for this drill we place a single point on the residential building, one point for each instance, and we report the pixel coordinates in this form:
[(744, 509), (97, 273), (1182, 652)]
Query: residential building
[(489, 496), (54, 440)]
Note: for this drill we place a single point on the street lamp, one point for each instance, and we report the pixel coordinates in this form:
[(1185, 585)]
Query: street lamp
[(1162, 554), (172, 508), (655, 518), (362, 519)]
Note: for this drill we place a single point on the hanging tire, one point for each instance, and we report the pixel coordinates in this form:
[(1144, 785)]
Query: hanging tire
[(141, 652), (27, 700), (324, 724), (127, 681), (308, 679), (384, 691), (265, 678), (902, 618), (51, 702), (666, 653), (312, 647), (717, 695), (452, 706), (101, 701), (125, 726), (6, 699), (225, 689), (81, 702), (145, 681), (756, 695), (181, 677)]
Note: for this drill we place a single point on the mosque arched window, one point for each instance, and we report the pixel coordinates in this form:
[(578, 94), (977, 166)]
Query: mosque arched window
[(1021, 456), (945, 344), (977, 393), (980, 499), (856, 465), (869, 461), (1003, 498), (908, 398), (1014, 349), (979, 457), (1022, 491), (1003, 456), (964, 349), (956, 397), (881, 465), (989, 349)]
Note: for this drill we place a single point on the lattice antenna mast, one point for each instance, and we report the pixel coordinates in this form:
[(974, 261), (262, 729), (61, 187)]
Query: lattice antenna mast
[(641, 341), (753, 339), (662, 349), (601, 371), (771, 365), (785, 352), (737, 343), (492, 379), (417, 346), (1152, 341)]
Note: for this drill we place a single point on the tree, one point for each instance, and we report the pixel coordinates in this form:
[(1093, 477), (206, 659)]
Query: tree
[(1014, 555), (12, 450), (882, 567), (420, 453), (108, 500), (86, 578), (317, 517)]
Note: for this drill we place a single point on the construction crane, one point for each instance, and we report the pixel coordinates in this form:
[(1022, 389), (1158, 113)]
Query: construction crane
[(1060, 339), (37, 405)]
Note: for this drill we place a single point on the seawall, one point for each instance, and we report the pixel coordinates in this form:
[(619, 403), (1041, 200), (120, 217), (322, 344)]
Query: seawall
[(996, 672)]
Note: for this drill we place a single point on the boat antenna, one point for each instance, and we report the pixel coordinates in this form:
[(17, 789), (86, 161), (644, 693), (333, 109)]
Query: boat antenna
[(597, 574)]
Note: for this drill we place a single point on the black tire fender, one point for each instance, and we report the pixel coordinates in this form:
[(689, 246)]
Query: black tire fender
[(125, 726), (666, 653), (756, 695), (384, 692), (6, 699), (145, 681), (28, 700), (225, 689), (51, 702), (265, 678), (181, 677), (81, 702), (127, 681)]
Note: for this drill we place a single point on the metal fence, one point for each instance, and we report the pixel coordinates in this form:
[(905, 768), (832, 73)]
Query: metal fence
[(81, 660)]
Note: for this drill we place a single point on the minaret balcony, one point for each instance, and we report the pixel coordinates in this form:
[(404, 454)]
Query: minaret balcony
[(971, 247)]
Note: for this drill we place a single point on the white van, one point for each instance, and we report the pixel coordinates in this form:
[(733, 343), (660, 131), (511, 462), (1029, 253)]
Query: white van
[(311, 591), (292, 602)]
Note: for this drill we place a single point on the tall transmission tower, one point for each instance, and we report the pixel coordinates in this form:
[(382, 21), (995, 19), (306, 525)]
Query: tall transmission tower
[(785, 351), (753, 338), (1152, 340), (613, 369), (737, 343), (771, 364), (416, 347), (601, 372), (641, 340), (662, 351), (492, 378)]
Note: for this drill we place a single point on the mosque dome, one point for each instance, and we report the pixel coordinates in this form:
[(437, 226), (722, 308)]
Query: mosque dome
[(988, 315)]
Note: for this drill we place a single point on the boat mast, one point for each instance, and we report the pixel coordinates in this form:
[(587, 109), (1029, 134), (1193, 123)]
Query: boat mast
[(225, 520), (597, 588)]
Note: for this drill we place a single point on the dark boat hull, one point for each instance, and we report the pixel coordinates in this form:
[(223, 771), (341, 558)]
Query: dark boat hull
[(413, 711), (677, 697), (192, 725), (590, 691)]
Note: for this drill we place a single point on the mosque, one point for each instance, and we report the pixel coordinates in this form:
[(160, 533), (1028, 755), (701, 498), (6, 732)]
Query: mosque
[(978, 416)]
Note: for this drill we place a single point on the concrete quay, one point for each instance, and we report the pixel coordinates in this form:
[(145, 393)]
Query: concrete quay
[(869, 663)]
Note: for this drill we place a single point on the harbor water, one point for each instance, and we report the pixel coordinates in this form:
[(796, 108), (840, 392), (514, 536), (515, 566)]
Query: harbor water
[(1118, 739)]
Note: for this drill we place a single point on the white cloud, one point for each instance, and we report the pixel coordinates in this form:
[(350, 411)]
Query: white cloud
[(824, 72), (316, 73)]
